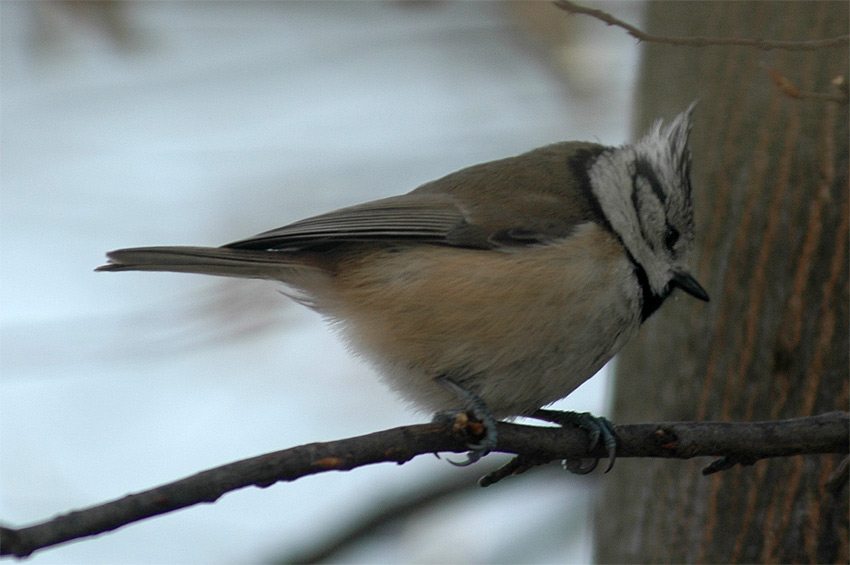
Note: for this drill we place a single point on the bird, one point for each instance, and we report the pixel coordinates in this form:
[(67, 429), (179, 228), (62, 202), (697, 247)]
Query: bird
[(495, 290)]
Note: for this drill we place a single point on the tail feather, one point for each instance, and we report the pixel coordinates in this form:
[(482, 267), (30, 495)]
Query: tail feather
[(203, 260)]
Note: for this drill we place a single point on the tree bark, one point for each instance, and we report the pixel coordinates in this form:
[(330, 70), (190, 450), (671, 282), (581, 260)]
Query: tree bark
[(771, 196)]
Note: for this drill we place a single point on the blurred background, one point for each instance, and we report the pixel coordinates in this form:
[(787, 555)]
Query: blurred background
[(146, 123)]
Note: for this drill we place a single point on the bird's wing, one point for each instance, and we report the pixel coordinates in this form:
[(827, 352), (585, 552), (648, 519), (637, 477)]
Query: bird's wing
[(529, 199), (426, 218)]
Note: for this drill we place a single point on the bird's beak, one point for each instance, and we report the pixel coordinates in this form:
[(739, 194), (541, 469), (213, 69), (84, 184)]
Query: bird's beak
[(689, 284)]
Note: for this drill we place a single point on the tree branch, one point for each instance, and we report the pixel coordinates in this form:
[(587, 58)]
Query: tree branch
[(765, 44), (736, 442)]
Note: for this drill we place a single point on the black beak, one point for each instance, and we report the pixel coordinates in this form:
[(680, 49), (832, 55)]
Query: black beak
[(690, 285)]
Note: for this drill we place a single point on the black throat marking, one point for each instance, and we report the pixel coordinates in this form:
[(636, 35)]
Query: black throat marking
[(650, 302)]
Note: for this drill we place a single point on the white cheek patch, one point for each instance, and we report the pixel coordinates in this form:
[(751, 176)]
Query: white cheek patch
[(651, 216), (611, 181)]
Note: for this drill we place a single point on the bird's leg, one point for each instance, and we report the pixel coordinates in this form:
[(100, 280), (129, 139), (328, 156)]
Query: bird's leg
[(475, 406)]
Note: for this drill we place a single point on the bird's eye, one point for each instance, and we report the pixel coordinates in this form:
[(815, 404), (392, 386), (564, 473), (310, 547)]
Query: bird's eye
[(671, 237)]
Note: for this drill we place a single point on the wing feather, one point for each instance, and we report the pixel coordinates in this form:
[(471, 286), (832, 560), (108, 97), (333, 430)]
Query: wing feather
[(533, 198), (426, 218)]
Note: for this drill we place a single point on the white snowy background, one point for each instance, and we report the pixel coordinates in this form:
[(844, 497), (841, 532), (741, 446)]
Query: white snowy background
[(201, 123)]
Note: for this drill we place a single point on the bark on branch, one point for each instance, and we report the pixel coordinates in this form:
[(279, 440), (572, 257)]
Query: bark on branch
[(742, 442)]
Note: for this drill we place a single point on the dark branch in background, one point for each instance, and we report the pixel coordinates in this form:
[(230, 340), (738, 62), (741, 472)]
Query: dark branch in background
[(840, 92), (734, 442), (765, 44), (392, 514), (385, 514)]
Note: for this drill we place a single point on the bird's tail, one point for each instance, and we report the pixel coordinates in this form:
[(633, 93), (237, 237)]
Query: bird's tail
[(220, 261)]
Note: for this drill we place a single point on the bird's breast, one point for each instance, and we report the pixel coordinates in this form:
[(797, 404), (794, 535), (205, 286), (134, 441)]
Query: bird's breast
[(521, 327)]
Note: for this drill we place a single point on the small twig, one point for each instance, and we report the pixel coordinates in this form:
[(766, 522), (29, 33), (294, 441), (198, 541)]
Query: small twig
[(838, 479), (516, 466), (827, 433), (765, 44), (787, 86)]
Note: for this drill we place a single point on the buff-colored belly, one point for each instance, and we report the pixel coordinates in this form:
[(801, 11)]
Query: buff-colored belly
[(521, 328)]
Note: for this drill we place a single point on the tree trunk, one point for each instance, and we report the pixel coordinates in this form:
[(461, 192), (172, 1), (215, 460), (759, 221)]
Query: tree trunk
[(771, 197)]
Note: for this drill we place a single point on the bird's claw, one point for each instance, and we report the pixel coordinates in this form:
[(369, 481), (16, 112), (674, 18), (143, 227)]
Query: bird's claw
[(476, 407), (597, 427)]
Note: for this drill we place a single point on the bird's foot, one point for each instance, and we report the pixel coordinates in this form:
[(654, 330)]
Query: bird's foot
[(485, 422), (598, 428)]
